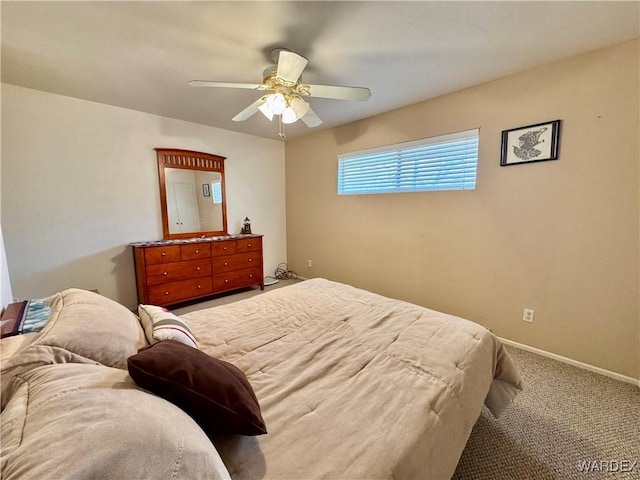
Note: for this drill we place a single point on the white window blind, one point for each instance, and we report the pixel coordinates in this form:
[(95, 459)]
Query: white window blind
[(216, 189), (446, 162)]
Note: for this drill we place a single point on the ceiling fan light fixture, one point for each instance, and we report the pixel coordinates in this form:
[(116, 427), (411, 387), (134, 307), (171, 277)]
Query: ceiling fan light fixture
[(296, 109), (299, 106), (289, 115), (265, 110), (277, 103)]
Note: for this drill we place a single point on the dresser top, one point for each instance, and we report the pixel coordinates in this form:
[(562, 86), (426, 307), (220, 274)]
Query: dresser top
[(182, 241)]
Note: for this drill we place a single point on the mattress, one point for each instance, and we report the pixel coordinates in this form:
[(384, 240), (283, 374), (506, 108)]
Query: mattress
[(353, 384)]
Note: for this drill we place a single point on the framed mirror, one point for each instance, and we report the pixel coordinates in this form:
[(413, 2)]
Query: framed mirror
[(192, 194)]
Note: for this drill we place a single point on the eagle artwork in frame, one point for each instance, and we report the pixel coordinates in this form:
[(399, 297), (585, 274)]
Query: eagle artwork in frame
[(533, 143)]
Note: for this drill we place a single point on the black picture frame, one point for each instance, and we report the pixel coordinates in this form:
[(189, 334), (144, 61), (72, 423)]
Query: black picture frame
[(206, 190), (534, 143)]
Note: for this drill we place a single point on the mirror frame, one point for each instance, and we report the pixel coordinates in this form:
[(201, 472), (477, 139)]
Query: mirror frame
[(189, 160)]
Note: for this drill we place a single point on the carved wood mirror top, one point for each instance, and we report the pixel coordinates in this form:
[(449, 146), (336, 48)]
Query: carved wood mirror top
[(192, 194)]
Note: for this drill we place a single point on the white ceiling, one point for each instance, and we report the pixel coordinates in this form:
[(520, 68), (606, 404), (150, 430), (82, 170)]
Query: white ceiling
[(140, 55)]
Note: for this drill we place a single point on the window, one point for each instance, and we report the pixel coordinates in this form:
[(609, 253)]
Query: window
[(216, 189), (446, 162)]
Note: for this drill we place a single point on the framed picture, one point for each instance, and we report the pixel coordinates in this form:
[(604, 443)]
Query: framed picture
[(533, 143), (206, 190)]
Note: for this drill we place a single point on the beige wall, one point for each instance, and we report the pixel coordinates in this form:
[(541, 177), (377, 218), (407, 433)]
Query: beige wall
[(80, 182), (560, 237), (6, 294)]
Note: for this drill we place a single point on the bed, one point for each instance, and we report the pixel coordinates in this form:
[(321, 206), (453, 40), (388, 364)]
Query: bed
[(350, 385)]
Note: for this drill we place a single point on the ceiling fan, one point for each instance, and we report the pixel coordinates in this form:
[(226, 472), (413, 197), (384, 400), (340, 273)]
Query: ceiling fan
[(286, 92)]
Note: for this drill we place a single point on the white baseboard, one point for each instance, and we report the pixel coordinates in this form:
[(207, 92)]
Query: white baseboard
[(575, 363)]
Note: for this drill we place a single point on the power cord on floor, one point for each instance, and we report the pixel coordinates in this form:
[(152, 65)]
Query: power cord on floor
[(282, 272)]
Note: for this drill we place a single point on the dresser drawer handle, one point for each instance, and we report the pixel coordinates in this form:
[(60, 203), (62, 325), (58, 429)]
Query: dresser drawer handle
[(248, 244), (164, 273), (226, 281), (251, 259), (199, 286), (166, 293), (224, 248), (163, 254), (197, 251), (226, 263), (251, 276)]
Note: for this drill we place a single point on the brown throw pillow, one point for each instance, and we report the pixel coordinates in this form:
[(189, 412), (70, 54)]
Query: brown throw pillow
[(215, 393)]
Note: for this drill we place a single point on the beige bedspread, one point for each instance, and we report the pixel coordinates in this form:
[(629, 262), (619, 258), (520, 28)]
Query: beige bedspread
[(10, 345), (353, 384)]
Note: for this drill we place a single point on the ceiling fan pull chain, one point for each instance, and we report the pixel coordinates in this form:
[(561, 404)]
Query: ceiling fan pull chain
[(281, 132)]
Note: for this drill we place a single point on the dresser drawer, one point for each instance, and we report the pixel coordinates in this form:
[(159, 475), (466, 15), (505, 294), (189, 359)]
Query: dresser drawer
[(236, 279), (235, 262), (172, 272), (249, 245), (226, 247), (166, 254), (195, 251), (174, 292)]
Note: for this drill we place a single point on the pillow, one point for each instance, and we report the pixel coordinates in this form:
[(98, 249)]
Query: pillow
[(84, 327), (160, 324), (215, 393), (91, 421)]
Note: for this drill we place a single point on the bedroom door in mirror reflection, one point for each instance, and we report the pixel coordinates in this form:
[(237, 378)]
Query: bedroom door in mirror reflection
[(182, 208), (192, 194)]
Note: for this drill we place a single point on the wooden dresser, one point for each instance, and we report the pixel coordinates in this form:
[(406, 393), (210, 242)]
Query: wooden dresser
[(174, 271)]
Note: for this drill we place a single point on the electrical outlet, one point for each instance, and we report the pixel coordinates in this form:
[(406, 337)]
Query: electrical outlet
[(527, 316), (309, 263)]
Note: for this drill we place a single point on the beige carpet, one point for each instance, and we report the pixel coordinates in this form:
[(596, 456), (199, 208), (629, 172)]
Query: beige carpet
[(567, 423), (564, 417)]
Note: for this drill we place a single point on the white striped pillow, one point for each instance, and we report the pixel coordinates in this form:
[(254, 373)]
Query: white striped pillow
[(160, 324)]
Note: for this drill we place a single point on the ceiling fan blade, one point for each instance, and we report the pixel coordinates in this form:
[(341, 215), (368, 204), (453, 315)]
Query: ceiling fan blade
[(205, 83), (311, 119), (339, 93), (250, 111), (290, 66)]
